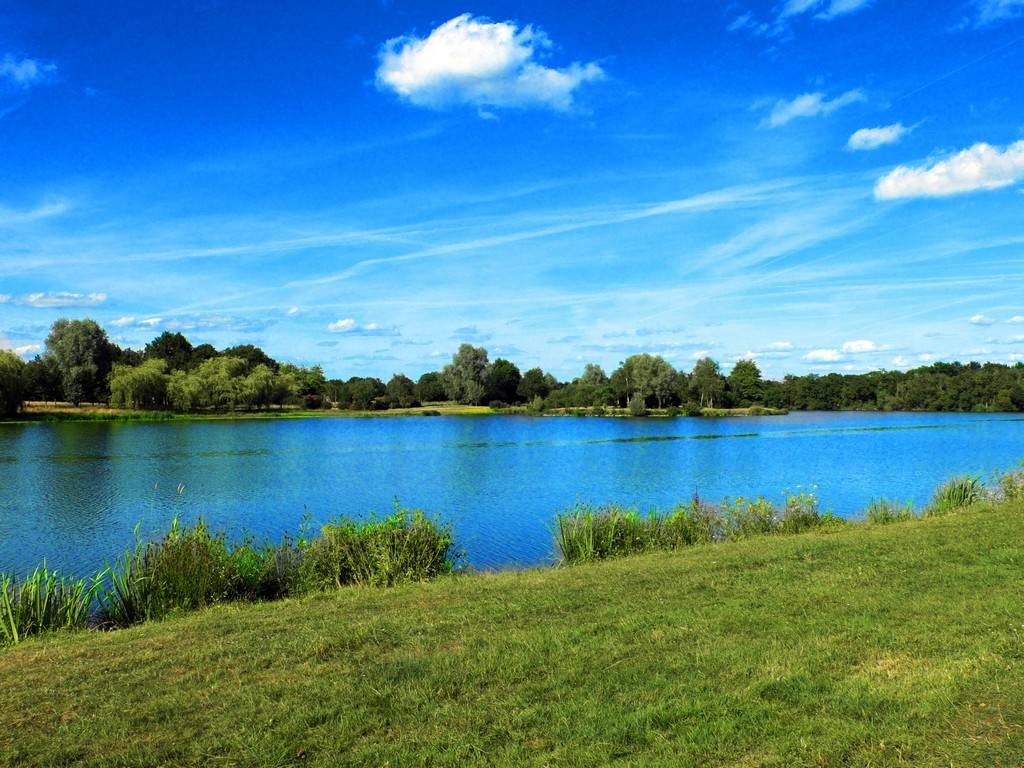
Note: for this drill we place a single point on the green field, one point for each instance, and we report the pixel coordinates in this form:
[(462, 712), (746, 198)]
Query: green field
[(862, 646)]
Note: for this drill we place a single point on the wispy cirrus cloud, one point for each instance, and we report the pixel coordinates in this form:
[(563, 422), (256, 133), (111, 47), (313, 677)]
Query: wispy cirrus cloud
[(50, 299), (979, 168), (867, 139), (477, 62), (810, 105), (994, 11), (822, 9)]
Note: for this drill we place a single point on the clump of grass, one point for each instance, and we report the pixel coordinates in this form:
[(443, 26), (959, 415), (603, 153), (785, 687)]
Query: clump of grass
[(189, 568), (405, 546), (585, 533), (954, 494), (885, 511), (44, 601)]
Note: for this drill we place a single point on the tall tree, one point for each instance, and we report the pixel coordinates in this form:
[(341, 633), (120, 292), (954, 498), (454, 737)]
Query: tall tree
[(84, 356), (401, 392), (173, 348), (13, 383), (501, 381), (463, 377), (534, 384), (745, 383), (430, 387), (707, 382)]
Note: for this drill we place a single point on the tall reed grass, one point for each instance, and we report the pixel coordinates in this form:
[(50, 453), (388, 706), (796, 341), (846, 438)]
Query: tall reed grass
[(44, 601)]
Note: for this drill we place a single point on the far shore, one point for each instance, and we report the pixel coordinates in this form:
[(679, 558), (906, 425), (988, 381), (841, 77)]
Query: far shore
[(66, 412)]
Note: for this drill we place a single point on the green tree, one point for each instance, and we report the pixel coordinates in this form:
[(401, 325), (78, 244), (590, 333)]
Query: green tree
[(173, 348), (366, 393), (593, 375), (43, 379), (501, 381), (252, 355), (141, 386), (707, 382), (463, 378), (534, 384), (745, 383), (401, 392), (84, 356), (430, 387), (13, 383)]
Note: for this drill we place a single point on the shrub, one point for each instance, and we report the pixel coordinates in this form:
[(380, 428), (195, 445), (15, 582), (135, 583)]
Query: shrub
[(1011, 485), (43, 602), (801, 513), (497, 405), (637, 406), (884, 511), (749, 517), (598, 410), (693, 409), (954, 494), (672, 411)]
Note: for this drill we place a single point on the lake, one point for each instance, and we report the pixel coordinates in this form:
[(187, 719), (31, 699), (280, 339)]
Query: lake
[(72, 493)]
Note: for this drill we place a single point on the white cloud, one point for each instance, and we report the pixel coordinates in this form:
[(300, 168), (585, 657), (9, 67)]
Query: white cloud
[(873, 138), (990, 11), (810, 105), (900, 361), (776, 346), (25, 73), (121, 322), (292, 311), (150, 322), (823, 9), (859, 346), (981, 167), (699, 354), (927, 357), (482, 63), (45, 300), (342, 326), (27, 349), (4, 297), (1016, 319), (823, 356), (981, 320)]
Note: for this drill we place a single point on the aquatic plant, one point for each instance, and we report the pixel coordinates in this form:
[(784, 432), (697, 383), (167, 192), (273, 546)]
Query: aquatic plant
[(405, 546), (44, 601), (954, 494)]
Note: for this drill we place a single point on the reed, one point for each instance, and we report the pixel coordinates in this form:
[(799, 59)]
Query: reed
[(954, 494), (885, 511), (44, 601)]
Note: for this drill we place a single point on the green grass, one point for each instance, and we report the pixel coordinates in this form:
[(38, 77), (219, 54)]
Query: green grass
[(895, 645)]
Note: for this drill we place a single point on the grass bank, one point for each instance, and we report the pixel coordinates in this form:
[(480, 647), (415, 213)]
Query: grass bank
[(868, 645)]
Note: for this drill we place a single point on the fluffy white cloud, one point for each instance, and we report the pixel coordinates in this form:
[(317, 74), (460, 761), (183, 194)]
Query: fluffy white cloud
[(151, 322), (25, 73), (50, 299), (27, 349), (482, 63), (981, 320), (823, 356), (981, 167), (810, 105), (859, 346), (927, 357), (900, 361), (873, 138), (121, 322), (990, 11), (292, 311), (342, 326), (777, 346), (1016, 319), (4, 297)]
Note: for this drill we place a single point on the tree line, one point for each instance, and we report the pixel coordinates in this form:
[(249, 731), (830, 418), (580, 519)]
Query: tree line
[(80, 364)]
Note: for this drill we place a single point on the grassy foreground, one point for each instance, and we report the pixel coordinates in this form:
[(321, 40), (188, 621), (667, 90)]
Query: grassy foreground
[(863, 646)]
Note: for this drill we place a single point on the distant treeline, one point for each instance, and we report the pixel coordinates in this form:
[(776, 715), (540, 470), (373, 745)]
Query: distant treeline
[(81, 364)]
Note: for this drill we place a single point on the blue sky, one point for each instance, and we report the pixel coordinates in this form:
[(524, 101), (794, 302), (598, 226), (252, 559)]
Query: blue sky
[(817, 184)]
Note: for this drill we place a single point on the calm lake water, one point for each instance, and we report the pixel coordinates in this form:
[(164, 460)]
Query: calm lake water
[(72, 493)]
